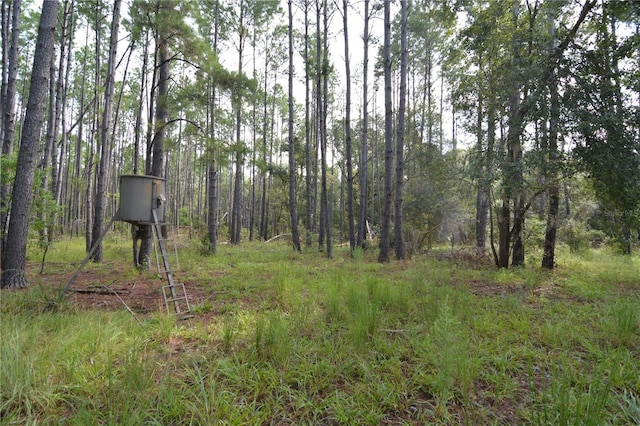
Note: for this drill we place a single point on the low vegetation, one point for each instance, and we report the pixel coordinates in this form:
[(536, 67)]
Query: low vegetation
[(280, 337)]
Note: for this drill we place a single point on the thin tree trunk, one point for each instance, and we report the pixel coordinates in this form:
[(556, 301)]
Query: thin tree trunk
[(254, 124), (511, 178), (350, 214), (212, 200), (57, 189), (75, 209), (325, 101), (265, 102), (293, 209), (319, 123), (307, 130), (514, 154), (45, 162), (384, 255), (236, 213), (60, 97), (157, 143), (363, 170), (104, 172), (137, 132), (548, 258), (399, 240), (482, 197)]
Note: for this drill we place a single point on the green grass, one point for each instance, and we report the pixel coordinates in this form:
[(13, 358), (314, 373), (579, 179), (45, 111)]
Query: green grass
[(288, 338)]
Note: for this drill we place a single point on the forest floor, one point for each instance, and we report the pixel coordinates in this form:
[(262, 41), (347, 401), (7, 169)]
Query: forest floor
[(111, 287), (279, 337), (142, 295)]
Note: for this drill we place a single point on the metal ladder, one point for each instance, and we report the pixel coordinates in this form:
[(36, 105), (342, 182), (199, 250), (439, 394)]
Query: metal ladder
[(173, 293)]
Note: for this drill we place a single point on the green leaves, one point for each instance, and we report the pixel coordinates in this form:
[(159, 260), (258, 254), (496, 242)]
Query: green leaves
[(605, 121)]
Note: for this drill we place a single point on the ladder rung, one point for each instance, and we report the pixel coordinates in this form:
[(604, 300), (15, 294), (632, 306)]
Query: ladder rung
[(174, 285), (175, 299)]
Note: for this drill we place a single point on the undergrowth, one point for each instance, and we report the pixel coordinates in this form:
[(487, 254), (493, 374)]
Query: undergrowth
[(290, 338)]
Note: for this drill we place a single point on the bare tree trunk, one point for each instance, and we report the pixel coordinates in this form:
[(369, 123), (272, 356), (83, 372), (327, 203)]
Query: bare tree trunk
[(325, 101), (384, 255), (104, 171), (236, 212), (8, 103), (57, 86), (514, 154), (157, 143), (264, 225), (45, 161), (75, 209), (13, 272), (293, 209), (254, 124), (137, 132), (512, 177), (482, 196), (58, 183), (548, 258), (60, 97), (307, 130), (212, 167), (363, 170), (485, 179), (319, 123), (5, 29), (399, 240), (350, 215)]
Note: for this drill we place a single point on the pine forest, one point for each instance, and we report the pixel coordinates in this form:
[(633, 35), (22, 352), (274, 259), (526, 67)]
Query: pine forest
[(386, 212)]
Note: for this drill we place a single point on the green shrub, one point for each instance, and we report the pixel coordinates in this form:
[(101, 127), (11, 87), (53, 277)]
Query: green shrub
[(575, 235)]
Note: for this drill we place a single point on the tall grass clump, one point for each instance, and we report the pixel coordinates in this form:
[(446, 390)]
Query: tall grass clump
[(362, 315), (271, 337), (64, 363), (568, 403), (446, 350), (629, 407), (625, 322), (23, 395)]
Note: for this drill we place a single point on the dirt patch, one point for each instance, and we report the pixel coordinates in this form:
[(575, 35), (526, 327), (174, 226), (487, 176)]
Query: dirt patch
[(485, 288), (140, 296), (110, 288), (629, 288), (467, 256)]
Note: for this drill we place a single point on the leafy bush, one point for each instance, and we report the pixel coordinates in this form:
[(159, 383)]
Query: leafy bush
[(578, 237), (534, 232)]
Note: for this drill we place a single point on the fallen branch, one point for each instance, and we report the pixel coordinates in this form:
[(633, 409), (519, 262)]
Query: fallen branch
[(99, 290), (277, 237), (393, 330), (124, 304)]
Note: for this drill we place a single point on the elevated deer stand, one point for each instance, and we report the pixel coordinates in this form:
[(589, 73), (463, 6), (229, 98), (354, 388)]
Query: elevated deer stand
[(143, 202)]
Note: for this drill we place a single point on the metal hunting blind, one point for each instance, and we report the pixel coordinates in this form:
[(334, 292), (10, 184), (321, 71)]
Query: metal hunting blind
[(143, 201), (139, 197)]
